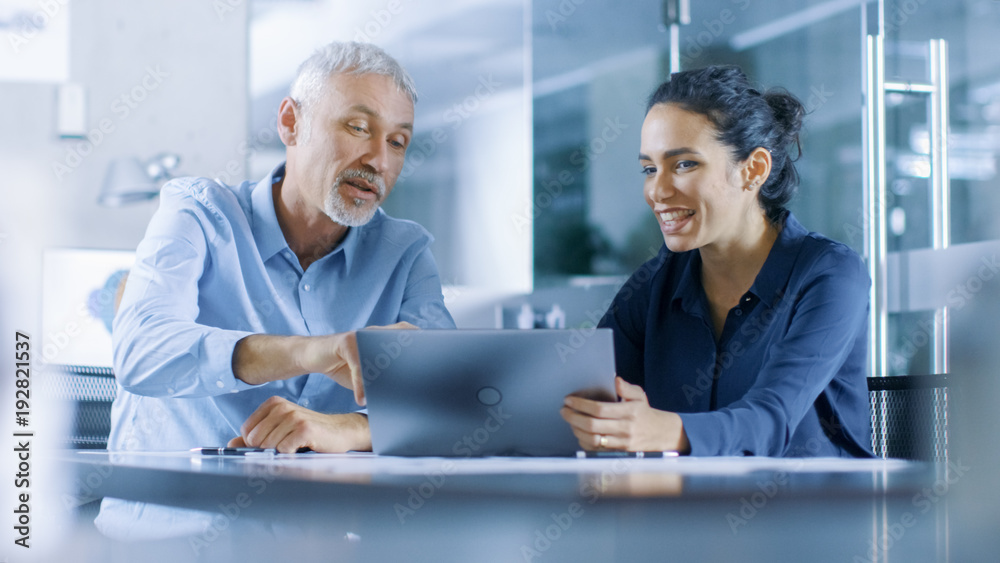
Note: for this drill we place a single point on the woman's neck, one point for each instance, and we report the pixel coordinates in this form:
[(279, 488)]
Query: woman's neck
[(730, 268)]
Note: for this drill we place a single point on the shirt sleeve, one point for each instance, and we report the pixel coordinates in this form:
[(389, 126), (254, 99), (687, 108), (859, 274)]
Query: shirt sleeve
[(423, 301), (830, 311), (159, 349)]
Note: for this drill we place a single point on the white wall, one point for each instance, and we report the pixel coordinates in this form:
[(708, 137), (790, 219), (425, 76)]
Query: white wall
[(193, 61), (493, 199), (197, 109)]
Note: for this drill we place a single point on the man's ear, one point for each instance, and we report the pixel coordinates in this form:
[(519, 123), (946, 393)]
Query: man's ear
[(756, 168), (289, 121)]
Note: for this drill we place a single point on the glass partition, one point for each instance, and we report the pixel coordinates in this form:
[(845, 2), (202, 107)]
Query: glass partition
[(595, 65)]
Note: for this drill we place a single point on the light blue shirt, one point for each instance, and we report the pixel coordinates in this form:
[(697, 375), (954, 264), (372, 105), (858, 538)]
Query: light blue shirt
[(213, 268)]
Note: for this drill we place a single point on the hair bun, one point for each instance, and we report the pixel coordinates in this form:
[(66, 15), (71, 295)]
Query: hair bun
[(744, 120), (788, 113)]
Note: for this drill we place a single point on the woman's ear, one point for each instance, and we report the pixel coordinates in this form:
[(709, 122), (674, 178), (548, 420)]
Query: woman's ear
[(756, 168), (289, 121)]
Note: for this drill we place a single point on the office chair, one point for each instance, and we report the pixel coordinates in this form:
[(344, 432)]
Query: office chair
[(90, 390), (909, 415)]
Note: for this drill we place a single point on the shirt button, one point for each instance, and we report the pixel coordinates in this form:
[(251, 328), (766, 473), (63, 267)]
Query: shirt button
[(738, 312), (305, 402), (307, 287), (220, 384)]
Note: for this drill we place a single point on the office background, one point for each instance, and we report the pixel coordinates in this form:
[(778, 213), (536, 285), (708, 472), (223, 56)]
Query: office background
[(523, 164)]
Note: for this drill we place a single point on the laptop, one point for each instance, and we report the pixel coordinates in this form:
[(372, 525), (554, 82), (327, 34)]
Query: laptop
[(465, 393)]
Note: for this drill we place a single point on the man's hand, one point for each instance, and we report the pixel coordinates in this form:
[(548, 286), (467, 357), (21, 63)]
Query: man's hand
[(260, 358), (285, 426), (337, 356), (630, 424)]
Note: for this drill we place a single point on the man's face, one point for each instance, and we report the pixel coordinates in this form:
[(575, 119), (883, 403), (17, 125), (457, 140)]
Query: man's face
[(358, 134)]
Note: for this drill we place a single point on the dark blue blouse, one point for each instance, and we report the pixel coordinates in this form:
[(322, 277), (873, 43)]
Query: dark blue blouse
[(787, 377)]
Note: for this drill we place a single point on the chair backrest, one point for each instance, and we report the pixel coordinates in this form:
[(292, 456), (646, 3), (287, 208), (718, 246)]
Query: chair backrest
[(909, 415), (91, 390)]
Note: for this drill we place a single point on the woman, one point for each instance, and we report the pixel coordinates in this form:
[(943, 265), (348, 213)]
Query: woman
[(747, 334)]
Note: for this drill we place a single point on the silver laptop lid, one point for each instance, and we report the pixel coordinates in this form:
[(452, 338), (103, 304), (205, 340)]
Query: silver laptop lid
[(480, 392)]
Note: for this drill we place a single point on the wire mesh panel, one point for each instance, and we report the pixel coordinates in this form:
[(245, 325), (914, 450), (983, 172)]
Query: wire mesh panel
[(90, 390), (909, 416)]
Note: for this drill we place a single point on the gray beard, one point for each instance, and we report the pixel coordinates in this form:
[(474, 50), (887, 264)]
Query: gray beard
[(353, 214)]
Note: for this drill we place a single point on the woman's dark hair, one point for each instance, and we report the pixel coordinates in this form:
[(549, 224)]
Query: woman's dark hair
[(744, 119)]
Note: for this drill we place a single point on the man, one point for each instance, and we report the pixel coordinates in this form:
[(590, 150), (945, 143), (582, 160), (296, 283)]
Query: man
[(236, 324)]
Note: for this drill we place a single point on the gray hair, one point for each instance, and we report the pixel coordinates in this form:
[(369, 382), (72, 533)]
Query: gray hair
[(344, 58)]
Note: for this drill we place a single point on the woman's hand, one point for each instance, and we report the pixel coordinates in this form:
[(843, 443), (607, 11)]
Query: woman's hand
[(629, 425)]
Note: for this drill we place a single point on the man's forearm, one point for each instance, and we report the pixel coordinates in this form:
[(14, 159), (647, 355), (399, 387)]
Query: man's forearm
[(260, 358)]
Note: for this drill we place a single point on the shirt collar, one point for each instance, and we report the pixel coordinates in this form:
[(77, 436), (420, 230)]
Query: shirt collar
[(770, 283), (689, 289), (772, 280), (349, 246), (267, 232)]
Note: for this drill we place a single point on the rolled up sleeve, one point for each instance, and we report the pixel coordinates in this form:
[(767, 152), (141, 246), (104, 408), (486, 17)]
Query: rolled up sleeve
[(159, 348)]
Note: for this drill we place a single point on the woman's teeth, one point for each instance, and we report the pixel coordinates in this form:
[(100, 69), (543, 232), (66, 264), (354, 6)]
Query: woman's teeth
[(671, 216)]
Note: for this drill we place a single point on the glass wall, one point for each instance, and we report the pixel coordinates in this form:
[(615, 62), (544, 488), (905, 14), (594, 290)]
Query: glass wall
[(595, 65), (524, 159)]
